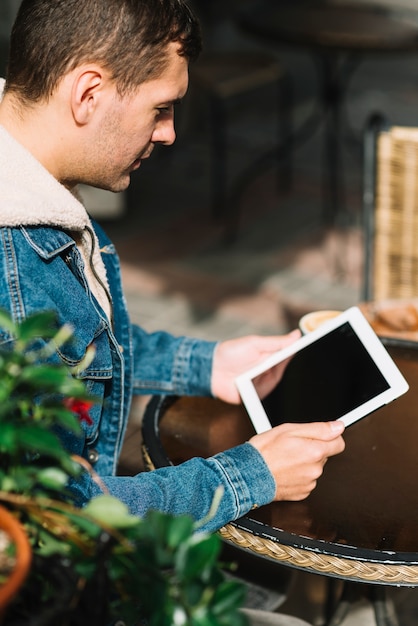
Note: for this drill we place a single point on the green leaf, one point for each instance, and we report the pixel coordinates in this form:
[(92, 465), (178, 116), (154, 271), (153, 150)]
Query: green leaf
[(42, 441), (42, 324), (8, 438), (45, 376), (75, 388), (7, 483), (49, 544), (196, 556), (228, 597), (52, 478), (62, 417), (178, 530), (203, 617), (7, 322), (86, 568), (91, 528), (111, 511), (25, 478)]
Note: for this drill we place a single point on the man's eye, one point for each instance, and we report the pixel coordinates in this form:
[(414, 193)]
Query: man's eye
[(164, 110)]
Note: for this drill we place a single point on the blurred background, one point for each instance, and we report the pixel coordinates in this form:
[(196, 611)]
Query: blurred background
[(217, 246), (268, 250)]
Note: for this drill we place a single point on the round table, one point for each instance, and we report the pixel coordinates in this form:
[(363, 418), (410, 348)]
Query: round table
[(338, 34), (359, 524)]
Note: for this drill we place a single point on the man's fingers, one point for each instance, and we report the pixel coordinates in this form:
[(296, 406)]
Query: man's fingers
[(325, 431), (296, 455)]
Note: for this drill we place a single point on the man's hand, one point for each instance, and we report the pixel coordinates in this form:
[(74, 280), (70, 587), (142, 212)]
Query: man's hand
[(296, 455), (235, 356)]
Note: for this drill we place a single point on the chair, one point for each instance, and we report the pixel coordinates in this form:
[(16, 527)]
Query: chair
[(226, 77), (390, 208)]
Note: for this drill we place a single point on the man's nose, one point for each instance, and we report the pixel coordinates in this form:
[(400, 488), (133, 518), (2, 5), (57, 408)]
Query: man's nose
[(165, 132)]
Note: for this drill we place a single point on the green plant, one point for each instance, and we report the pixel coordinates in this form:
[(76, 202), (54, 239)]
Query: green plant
[(97, 564)]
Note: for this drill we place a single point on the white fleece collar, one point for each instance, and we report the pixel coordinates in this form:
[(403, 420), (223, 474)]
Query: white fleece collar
[(31, 195)]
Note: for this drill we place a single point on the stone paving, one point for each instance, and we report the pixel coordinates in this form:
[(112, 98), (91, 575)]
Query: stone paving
[(186, 300)]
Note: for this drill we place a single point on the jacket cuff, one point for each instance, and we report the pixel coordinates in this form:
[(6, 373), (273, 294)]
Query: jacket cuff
[(248, 476), (192, 367)]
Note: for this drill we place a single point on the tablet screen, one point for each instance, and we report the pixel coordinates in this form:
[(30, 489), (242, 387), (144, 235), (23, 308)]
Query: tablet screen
[(325, 380)]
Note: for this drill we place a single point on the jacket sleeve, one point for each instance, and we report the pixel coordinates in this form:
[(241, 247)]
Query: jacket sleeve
[(189, 488), (171, 365)]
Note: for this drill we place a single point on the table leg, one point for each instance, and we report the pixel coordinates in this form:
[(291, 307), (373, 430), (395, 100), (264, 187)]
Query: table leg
[(384, 612), (349, 595), (335, 70), (383, 608)]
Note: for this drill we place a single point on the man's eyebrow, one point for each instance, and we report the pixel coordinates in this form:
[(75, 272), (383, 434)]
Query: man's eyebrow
[(170, 103)]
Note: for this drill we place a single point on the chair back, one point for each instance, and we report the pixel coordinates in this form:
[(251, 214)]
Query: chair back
[(390, 202)]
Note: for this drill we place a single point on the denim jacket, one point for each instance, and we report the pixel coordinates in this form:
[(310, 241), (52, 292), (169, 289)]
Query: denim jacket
[(42, 269)]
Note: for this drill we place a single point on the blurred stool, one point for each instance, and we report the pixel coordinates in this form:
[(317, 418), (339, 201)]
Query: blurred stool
[(223, 77)]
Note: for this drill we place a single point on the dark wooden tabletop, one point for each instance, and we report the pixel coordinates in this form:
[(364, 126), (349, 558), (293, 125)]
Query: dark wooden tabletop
[(365, 507), (347, 26)]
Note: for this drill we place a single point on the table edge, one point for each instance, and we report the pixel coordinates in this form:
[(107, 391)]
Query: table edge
[(313, 558)]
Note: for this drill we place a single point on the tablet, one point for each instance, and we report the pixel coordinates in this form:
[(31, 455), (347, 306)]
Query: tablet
[(341, 371)]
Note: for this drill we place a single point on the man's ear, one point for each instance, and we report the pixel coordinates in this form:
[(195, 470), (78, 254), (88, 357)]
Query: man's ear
[(87, 91)]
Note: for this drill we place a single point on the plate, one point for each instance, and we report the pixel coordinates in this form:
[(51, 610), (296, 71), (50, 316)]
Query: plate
[(393, 318)]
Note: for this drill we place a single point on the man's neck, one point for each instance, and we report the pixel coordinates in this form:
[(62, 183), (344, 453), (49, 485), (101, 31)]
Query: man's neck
[(34, 128)]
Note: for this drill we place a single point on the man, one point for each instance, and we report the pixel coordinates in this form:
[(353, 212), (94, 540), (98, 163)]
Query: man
[(90, 89)]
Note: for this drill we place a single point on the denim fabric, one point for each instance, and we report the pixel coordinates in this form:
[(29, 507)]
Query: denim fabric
[(43, 270)]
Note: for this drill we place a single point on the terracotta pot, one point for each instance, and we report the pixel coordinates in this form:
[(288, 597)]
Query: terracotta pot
[(12, 527)]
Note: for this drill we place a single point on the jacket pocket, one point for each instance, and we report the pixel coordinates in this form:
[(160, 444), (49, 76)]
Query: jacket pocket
[(96, 375)]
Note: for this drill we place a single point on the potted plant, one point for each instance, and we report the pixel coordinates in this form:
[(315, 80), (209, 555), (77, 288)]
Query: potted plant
[(97, 565)]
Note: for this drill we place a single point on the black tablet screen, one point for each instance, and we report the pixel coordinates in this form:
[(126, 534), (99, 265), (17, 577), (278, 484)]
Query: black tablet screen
[(325, 380)]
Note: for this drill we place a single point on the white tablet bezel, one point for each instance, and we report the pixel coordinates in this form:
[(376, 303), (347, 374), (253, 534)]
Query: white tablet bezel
[(382, 359)]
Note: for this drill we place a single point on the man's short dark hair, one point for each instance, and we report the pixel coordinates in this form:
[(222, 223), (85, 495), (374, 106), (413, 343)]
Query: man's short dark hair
[(127, 37)]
